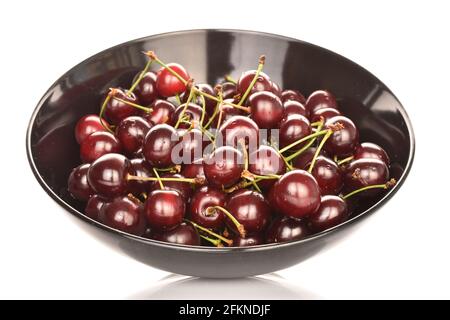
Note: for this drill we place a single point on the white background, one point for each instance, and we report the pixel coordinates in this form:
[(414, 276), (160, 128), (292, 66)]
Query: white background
[(400, 252)]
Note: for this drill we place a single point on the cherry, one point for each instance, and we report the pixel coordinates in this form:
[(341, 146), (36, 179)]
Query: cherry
[(294, 107), (266, 109), (210, 104), (185, 234), (250, 208), (125, 214), (320, 99), (228, 112), (162, 112), (181, 187), (194, 170), (140, 168), (262, 83), (302, 160), (94, 207), (78, 185), (293, 95), (117, 110), (239, 128), (328, 175), (371, 150), (193, 112), (344, 141), (191, 145), (146, 89), (98, 144), (131, 133), (87, 125), (229, 90), (332, 211), (204, 198), (224, 166), (250, 240), (275, 89), (266, 161), (296, 194), (324, 114), (169, 85), (164, 209), (158, 145), (292, 129), (366, 172), (108, 175), (284, 229)]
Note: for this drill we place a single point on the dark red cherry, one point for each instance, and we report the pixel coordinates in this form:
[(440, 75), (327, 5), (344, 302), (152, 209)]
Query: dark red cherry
[(239, 128), (332, 211), (210, 104), (275, 89), (325, 114), (183, 188), (293, 107), (192, 113), (328, 175), (194, 170), (87, 125), (158, 145), (266, 109), (250, 240), (108, 175), (146, 89), (320, 99), (185, 234), (302, 160), (266, 161), (164, 209), (117, 110), (162, 112), (140, 168), (292, 129), (169, 85), (297, 194), (343, 142), (371, 150), (78, 185), (191, 146), (224, 166), (366, 172), (131, 133), (250, 209), (284, 229), (204, 198), (228, 112), (229, 90), (94, 207), (125, 214), (263, 82), (98, 144), (293, 95)]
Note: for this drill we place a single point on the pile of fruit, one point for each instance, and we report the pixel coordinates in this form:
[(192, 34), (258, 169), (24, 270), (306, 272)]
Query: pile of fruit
[(240, 164)]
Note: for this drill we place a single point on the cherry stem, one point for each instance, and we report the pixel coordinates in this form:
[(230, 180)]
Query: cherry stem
[(176, 168), (262, 60), (203, 110), (340, 162), (215, 242), (319, 148), (187, 180), (153, 56), (137, 106), (218, 90), (218, 236), (211, 210), (186, 105), (385, 186), (286, 162), (317, 123), (312, 135), (102, 111), (309, 144), (161, 185), (141, 75), (177, 96), (230, 79)]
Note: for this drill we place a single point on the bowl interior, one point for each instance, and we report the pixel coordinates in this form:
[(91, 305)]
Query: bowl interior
[(209, 55)]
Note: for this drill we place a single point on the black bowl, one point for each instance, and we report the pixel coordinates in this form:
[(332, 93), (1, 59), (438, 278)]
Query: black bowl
[(209, 55)]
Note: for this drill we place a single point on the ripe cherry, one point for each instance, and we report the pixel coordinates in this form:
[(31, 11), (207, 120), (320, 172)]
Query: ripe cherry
[(98, 144), (87, 125), (229, 90), (266, 161), (332, 211), (366, 172), (164, 209), (297, 194), (249, 240), (194, 170), (371, 150), (158, 145), (266, 109), (275, 89), (162, 112), (140, 168), (324, 114), (294, 107), (146, 89), (228, 112), (108, 175), (239, 128), (125, 214), (293, 95), (78, 185), (191, 145), (292, 129), (210, 104), (94, 207), (117, 110), (224, 166), (131, 133), (320, 99), (284, 229), (185, 234), (192, 113), (181, 187), (204, 198), (344, 141), (262, 83), (169, 85), (328, 175), (302, 160)]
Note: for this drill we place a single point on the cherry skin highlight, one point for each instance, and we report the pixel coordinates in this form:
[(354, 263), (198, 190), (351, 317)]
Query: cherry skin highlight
[(94, 207), (87, 125), (328, 176), (204, 198), (164, 209), (371, 150), (343, 142), (168, 85), (266, 109), (158, 145), (223, 167), (332, 211), (292, 129), (98, 144), (78, 185), (284, 229), (131, 133), (366, 172), (162, 112), (185, 234), (125, 214)]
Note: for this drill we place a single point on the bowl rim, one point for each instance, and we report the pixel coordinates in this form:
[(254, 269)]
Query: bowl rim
[(204, 249)]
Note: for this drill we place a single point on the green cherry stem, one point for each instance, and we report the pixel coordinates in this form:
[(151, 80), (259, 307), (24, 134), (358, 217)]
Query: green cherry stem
[(385, 186), (153, 56), (218, 236), (215, 242), (186, 105), (306, 146), (102, 111), (230, 79), (316, 154), (187, 180), (203, 110), (141, 75), (312, 135), (262, 60), (137, 106), (341, 162), (218, 90), (161, 185), (211, 210)]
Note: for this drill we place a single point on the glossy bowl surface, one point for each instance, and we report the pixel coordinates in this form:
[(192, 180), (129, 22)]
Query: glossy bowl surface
[(209, 55)]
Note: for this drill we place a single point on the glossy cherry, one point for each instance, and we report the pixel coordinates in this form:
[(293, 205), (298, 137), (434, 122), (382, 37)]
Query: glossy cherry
[(191, 146), (108, 175), (131, 133), (169, 85), (117, 110), (293, 107), (146, 88), (142, 169), (320, 99), (324, 114), (275, 89), (266, 109), (125, 214), (228, 112), (239, 128), (185, 234), (333, 210), (192, 113), (250, 240), (164, 209), (162, 112), (302, 160), (87, 125), (98, 144), (229, 90), (158, 145), (297, 194), (94, 207), (266, 161), (292, 95), (78, 185), (262, 83), (210, 104), (366, 172), (194, 170), (204, 198), (183, 188), (292, 129), (284, 229), (343, 142), (371, 150), (328, 176), (224, 166)]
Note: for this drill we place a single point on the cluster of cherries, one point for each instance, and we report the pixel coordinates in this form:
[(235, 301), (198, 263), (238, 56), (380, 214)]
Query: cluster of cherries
[(236, 189)]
